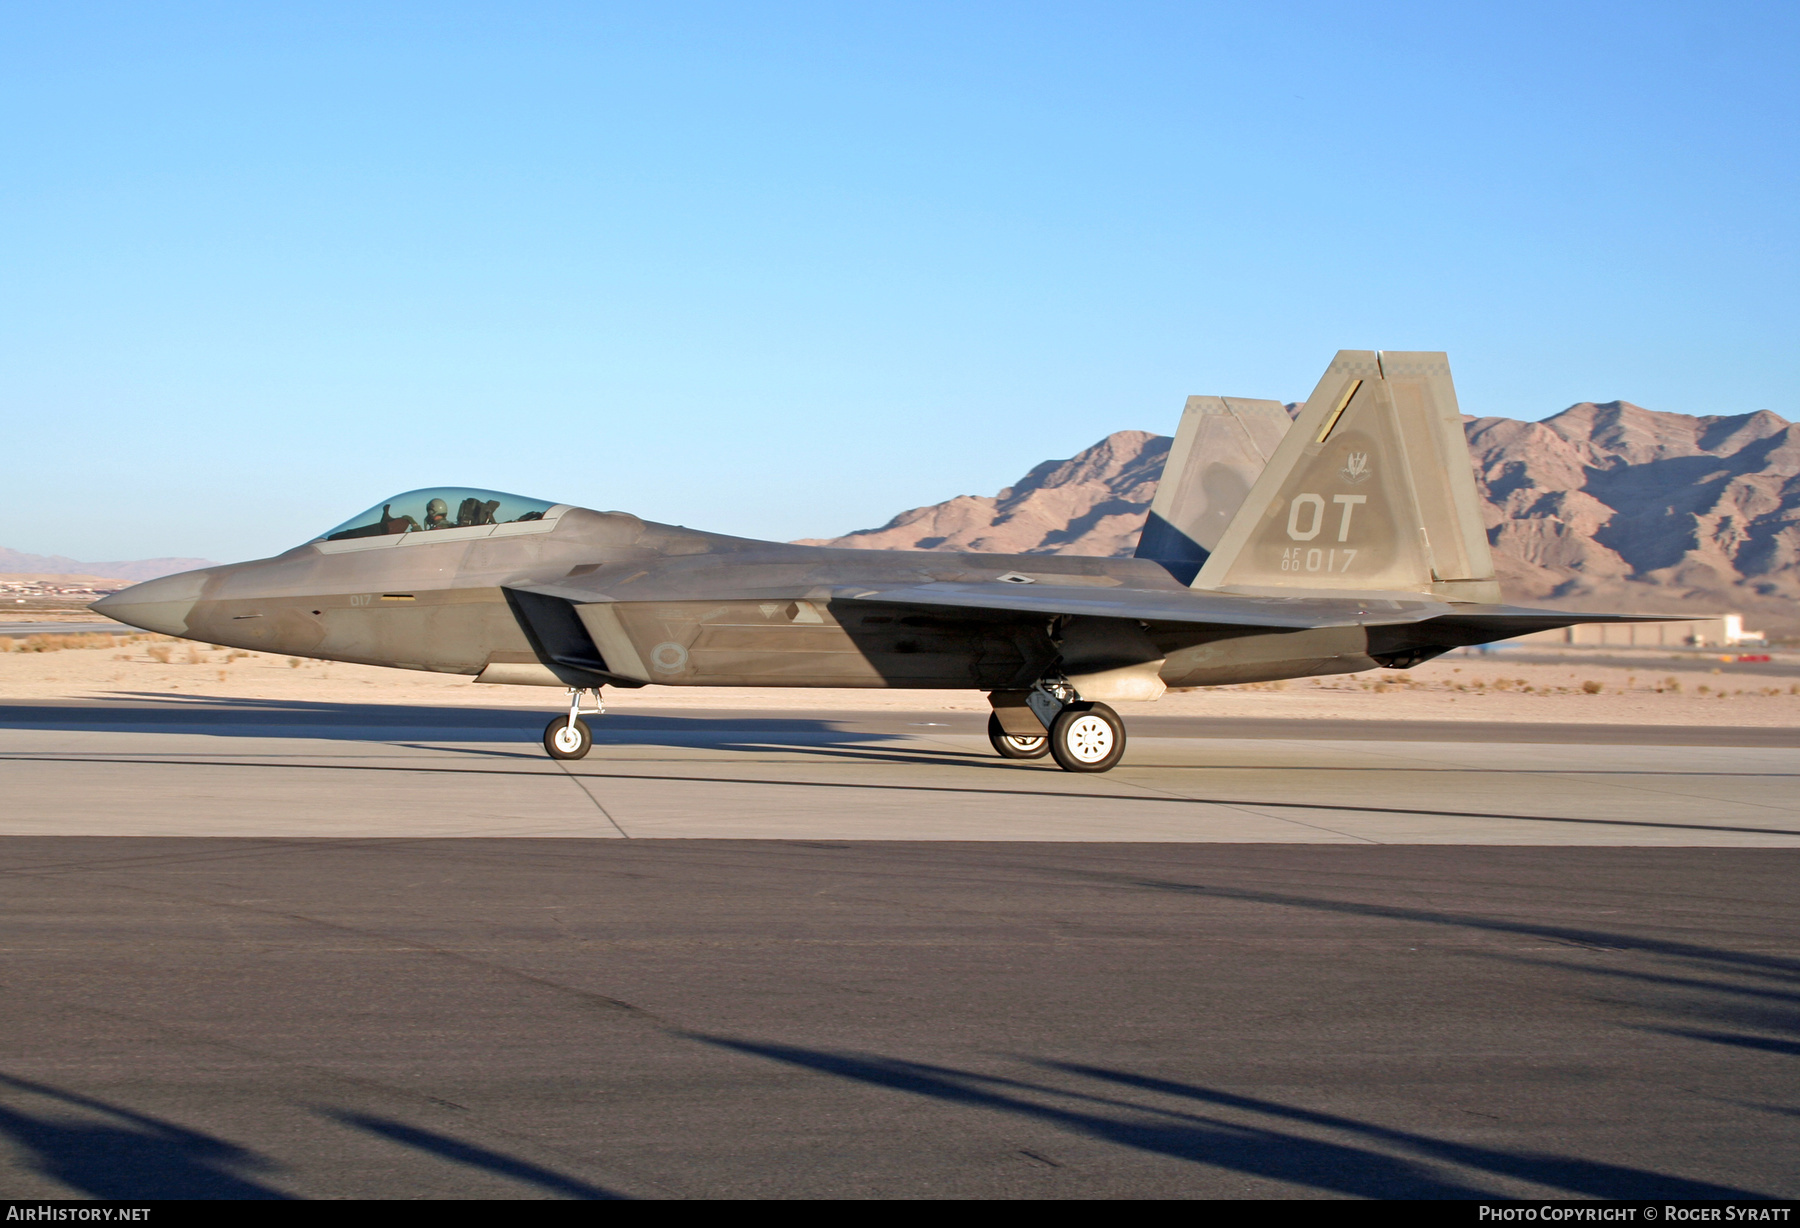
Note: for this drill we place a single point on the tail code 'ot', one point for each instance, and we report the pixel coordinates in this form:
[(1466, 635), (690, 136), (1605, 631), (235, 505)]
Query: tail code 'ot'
[(1371, 490)]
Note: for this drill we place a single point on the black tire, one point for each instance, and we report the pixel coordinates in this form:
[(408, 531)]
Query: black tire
[(584, 736), (1087, 738), (1009, 747)]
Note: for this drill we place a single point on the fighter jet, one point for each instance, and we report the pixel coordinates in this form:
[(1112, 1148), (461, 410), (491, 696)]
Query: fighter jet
[(1347, 539)]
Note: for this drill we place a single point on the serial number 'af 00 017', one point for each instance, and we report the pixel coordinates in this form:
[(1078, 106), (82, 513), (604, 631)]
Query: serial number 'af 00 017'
[(1349, 538)]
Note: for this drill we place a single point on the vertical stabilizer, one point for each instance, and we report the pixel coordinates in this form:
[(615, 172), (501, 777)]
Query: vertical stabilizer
[(1372, 490), (1220, 449)]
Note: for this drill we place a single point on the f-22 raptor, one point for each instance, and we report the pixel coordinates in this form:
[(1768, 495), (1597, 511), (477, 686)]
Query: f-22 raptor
[(1349, 538)]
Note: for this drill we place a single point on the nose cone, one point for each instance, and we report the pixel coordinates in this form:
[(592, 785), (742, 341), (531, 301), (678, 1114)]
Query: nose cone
[(156, 605)]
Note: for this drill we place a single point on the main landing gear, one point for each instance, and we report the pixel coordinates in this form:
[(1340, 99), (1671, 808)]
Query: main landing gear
[(568, 737), (1051, 719)]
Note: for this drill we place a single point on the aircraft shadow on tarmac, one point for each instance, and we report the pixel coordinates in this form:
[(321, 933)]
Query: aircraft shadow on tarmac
[(1224, 1140), (355, 722), (105, 1151), (471, 1156), (409, 725), (1754, 992), (1751, 991), (350, 721)]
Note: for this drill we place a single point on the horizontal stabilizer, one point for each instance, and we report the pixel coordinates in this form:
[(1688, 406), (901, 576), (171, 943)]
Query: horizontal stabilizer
[(1505, 621)]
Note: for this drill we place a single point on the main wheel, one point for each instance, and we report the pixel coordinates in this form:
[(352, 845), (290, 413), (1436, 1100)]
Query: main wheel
[(1087, 738), (565, 743), (1011, 746)]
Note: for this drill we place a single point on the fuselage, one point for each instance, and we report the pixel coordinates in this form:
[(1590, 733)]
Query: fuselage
[(585, 598)]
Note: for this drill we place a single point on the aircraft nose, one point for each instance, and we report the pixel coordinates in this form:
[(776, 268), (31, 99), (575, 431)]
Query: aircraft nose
[(160, 605)]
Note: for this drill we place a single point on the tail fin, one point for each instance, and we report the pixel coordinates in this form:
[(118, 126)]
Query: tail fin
[(1220, 449), (1372, 490)]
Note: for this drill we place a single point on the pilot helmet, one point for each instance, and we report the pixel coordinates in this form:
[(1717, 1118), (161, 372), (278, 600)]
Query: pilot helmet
[(437, 507)]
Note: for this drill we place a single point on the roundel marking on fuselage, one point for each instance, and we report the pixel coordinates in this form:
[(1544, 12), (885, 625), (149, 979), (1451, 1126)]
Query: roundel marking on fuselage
[(669, 657)]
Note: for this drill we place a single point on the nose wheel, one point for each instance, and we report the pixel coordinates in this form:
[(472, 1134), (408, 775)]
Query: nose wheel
[(568, 737)]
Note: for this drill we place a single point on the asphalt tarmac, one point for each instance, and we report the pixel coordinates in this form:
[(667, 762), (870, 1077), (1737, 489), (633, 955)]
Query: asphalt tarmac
[(98, 627), (252, 1018), (286, 950), (203, 767)]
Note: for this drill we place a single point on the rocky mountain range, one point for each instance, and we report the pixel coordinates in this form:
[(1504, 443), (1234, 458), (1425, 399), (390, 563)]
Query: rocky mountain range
[(17, 562), (1604, 507)]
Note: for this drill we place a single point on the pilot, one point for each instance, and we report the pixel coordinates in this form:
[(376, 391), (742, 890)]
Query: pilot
[(437, 515)]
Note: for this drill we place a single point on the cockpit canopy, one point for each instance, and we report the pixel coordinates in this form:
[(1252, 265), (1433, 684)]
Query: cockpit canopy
[(439, 508)]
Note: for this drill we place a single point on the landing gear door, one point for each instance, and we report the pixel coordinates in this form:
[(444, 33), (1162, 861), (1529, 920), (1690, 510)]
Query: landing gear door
[(559, 639)]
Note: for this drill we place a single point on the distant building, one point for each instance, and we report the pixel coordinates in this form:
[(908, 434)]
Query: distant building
[(1717, 631)]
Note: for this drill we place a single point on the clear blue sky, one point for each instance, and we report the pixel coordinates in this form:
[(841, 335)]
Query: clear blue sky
[(786, 269)]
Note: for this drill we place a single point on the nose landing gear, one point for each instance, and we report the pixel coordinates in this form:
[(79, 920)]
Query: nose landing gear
[(569, 737)]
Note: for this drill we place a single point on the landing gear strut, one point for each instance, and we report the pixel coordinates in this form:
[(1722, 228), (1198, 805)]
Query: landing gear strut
[(1051, 719), (569, 737)]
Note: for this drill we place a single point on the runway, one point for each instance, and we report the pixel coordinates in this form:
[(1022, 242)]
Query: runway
[(290, 951), (193, 767)]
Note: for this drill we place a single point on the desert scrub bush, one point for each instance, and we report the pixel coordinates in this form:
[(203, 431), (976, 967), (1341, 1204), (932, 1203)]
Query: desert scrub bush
[(160, 652), (1592, 687), (293, 662)]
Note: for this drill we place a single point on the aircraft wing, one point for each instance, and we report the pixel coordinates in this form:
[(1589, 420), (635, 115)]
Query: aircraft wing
[(1193, 606), (1150, 605)]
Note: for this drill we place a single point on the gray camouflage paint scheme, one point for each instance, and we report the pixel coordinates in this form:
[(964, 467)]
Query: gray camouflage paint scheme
[(1350, 539)]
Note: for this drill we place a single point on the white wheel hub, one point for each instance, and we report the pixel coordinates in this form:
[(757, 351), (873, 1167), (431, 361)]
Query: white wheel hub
[(568, 740), (1089, 739), (1023, 744)]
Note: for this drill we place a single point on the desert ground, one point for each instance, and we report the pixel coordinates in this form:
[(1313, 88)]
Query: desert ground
[(1578, 686)]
